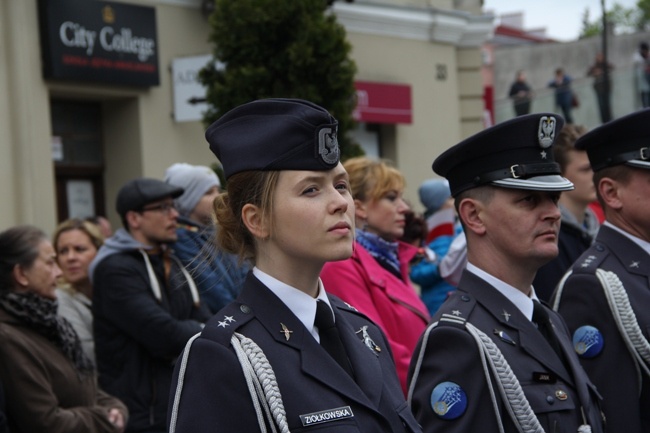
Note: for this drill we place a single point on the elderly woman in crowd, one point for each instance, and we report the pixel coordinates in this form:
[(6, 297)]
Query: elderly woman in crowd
[(49, 382), (76, 243)]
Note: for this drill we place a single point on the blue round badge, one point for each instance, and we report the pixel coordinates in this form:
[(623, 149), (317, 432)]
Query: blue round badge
[(588, 342), (448, 400)]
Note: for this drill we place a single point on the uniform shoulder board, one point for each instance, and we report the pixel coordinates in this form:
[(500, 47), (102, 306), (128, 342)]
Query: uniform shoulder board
[(456, 310), (225, 322), (591, 260)]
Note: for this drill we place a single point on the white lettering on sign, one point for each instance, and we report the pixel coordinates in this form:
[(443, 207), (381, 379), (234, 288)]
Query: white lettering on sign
[(77, 36)]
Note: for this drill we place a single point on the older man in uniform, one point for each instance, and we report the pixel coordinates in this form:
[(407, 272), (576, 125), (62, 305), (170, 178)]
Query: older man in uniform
[(605, 297), (494, 359)]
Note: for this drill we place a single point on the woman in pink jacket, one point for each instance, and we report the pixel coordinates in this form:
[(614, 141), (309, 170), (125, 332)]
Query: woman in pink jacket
[(375, 279)]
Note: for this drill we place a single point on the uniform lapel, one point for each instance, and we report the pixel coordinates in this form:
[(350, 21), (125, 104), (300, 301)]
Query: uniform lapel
[(530, 339), (271, 312), (366, 364)]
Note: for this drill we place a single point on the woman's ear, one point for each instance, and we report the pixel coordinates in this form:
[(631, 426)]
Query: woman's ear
[(19, 276), (469, 211), (360, 209), (254, 221)]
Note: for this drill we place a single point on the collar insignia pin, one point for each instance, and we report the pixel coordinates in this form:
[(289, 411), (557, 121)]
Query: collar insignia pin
[(634, 265), (370, 344), (287, 333), (506, 315)]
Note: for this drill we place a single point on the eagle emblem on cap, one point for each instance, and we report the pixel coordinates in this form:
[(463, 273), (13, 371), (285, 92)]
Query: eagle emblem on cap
[(328, 144), (546, 131)]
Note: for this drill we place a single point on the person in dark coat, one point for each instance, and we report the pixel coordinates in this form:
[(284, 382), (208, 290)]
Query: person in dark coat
[(49, 383), (579, 223), (218, 275), (606, 295), (521, 94), (494, 359), (286, 355), (145, 304), (564, 96)]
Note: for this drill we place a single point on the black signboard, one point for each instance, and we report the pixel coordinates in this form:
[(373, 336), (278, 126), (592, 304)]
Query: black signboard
[(97, 41)]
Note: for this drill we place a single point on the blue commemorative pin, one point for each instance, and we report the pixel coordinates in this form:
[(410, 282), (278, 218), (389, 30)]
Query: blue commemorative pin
[(588, 342), (448, 400)]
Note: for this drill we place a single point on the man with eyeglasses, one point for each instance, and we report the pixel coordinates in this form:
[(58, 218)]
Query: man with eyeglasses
[(146, 305)]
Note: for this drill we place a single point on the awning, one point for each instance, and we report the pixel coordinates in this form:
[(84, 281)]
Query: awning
[(382, 102)]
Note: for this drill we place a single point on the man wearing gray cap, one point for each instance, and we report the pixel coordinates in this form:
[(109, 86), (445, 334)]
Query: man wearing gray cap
[(145, 304), (494, 359), (218, 275), (605, 297)]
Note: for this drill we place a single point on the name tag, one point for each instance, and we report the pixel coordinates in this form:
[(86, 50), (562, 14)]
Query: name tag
[(544, 377), (326, 416)]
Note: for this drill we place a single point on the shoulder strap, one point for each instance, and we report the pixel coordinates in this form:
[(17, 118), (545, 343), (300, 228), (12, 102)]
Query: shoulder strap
[(625, 318), (260, 379)]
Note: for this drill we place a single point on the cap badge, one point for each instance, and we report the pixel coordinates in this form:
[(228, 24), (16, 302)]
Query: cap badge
[(546, 132), (328, 144)]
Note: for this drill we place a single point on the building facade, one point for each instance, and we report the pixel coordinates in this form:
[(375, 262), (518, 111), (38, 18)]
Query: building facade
[(78, 122)]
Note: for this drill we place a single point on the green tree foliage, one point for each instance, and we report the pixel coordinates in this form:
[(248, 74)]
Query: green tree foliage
[(281, 48), (620, 20), (644, 14)]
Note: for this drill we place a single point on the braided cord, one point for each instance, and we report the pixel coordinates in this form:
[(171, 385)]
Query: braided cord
[(517, 405), (261, 382), (625, 318)]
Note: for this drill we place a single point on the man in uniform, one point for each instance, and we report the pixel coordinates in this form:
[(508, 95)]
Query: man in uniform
[(494, 359), (606, 297)]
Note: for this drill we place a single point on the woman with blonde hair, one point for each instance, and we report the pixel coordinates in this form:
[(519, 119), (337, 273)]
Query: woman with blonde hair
[(375, 280), (286, 355), (76, 243)]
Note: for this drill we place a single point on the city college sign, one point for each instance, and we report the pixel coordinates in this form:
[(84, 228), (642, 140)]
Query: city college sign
[(99, 42)]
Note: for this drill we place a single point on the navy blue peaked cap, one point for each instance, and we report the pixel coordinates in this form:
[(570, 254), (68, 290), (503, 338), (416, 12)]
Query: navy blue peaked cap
[(625, 140), (513, 154), (275, 134)]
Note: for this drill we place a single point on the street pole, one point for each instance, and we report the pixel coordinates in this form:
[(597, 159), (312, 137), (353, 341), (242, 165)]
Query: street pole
[(605, 58)]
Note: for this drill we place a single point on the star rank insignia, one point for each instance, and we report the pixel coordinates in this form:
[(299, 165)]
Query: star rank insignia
[(226, 321), (287, 333), (543, 154), (456, 313)]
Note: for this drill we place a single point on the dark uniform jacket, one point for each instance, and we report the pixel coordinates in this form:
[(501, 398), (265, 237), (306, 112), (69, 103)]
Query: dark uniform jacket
[(624, 387), (213, 395), (555, 392)]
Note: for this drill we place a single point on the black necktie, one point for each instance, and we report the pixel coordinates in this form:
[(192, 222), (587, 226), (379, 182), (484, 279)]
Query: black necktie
[(541, 319), (329, 336)]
